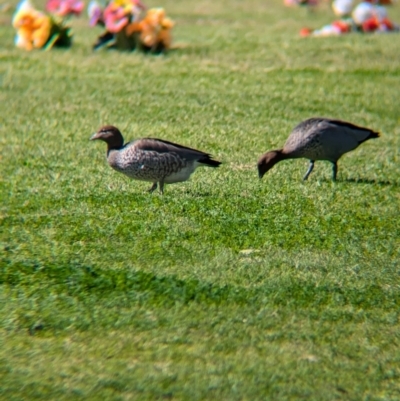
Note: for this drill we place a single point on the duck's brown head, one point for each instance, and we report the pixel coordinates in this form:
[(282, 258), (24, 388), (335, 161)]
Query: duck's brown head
[(111, 135), (268, 160)]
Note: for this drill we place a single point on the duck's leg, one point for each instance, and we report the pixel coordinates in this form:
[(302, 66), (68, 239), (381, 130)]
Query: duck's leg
[(309, 170), (334, 171), (153, 187), (161, 187)]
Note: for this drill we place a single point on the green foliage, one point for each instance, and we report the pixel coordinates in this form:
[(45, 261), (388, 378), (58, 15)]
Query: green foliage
[(226, 287), (60, 35)]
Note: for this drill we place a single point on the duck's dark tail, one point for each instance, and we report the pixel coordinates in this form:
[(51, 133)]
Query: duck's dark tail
[(371, 135), (208, 161)]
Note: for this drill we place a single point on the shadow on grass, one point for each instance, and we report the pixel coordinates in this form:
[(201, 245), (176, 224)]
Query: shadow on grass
[(381, 183), (372, 182), (79, 280)]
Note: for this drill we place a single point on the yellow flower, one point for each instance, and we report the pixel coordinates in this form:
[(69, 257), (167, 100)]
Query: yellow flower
[(33, 27), (127, 5)]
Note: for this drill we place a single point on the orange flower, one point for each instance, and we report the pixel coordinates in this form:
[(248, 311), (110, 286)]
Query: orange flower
[(155, 29), (33, 27)]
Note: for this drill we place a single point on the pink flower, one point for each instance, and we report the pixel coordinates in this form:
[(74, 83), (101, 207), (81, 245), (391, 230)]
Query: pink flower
[(63, 8), (95, 13), (115, 18)]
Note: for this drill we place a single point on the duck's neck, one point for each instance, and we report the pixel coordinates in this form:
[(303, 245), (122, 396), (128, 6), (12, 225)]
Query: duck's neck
[(280, 155), (111, 147), (115, 142), (287, 155)]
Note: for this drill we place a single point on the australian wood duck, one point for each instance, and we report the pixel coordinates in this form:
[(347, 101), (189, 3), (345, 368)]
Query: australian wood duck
[(318, 139), (151, 159)]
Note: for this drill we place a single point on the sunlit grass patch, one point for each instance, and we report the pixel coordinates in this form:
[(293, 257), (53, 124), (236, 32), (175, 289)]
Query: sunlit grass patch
[(227, 286)]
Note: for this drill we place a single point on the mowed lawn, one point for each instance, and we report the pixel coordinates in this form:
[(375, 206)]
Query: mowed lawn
[(227, 287)]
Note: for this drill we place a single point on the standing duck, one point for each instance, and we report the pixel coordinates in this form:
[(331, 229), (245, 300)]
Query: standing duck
[(318, 139), (151, 159)]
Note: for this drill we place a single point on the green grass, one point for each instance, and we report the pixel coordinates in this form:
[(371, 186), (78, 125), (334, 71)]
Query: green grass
[(226, 287)]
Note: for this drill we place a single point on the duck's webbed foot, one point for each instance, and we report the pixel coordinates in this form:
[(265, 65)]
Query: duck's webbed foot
[(153, 187)]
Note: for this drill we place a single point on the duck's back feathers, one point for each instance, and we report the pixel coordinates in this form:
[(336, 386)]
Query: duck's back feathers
[(161, 146), (316, 124), (326, 139), (361, 134)]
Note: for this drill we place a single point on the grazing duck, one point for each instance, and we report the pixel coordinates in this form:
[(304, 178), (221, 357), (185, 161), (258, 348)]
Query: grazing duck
[(318, 139), (151, 159)]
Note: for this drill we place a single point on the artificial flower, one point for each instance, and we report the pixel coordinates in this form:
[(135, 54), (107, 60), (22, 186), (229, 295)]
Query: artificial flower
[(95, 13), (64, 8), (342, 8), (115, 18), (37, 30), (127, 29), (154, 30), (131, 6), (33, 27)]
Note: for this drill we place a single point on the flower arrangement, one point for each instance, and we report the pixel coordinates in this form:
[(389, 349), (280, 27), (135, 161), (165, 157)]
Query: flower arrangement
[(129, 26), (115, 17), (366, 18), (343, 8), (36, 30)]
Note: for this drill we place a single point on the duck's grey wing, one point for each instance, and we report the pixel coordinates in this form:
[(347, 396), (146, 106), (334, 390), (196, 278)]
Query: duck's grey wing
[(339, 137), (324, 138), (360, 134), (315, 125), (162, 147)]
